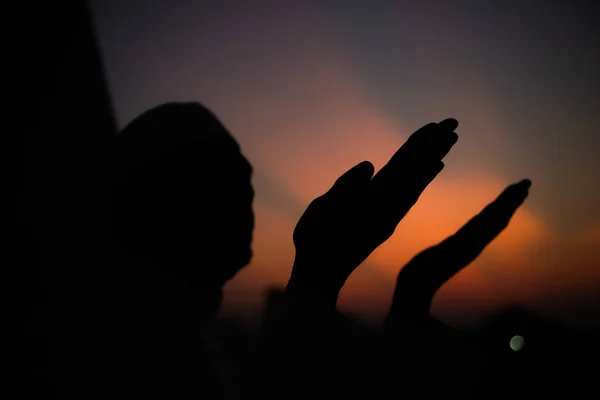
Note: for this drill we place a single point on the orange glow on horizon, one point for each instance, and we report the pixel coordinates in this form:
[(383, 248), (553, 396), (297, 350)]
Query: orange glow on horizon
[(346, 126)]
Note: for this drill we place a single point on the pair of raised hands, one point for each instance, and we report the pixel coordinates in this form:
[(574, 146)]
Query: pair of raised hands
[(341, 228)]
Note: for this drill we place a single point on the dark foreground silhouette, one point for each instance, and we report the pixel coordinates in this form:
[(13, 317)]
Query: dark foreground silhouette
[(61, 113), (182, 228), (135, 316), (336, 233), (413, 352)]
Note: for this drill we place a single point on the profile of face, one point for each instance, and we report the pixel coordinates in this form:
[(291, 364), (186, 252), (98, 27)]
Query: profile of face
[(188, 205), (209, 213)]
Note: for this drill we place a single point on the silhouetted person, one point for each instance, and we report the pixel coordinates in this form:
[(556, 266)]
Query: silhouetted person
[(182, 227)]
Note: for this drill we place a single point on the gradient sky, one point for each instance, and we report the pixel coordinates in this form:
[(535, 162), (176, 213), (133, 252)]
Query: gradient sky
[(310, 88)]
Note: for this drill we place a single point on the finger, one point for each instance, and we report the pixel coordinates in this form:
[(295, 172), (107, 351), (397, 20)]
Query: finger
[(352, 180), (348, 184), (386, 210), (416, 163), (449, 124), (400, 201), (427, 272), (431, 142), (473, 237)]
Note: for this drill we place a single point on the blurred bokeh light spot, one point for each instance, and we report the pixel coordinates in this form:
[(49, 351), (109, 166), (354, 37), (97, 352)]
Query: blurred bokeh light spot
[(517, 342)]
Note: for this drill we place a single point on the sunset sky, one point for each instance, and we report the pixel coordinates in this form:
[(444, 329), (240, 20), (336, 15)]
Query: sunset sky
[(310, 88)]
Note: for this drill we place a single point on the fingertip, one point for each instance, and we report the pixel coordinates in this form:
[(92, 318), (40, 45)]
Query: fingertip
[(366, 169), (515, 194), (519, 189), (449, 124), (525, 183), (453, 138), (367, 165)]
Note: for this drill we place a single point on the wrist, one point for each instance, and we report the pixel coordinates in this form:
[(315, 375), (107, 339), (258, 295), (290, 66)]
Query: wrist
[(323, 280), (297, 289)]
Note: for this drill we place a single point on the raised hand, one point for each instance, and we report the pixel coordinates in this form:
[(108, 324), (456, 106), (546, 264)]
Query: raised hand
[(341, 228), (421, 278)]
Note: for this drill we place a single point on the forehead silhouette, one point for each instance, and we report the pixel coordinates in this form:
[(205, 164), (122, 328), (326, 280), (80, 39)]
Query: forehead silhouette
[(173, 127)]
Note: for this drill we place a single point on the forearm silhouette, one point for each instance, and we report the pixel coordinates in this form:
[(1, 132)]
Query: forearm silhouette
[(419, 347), (425, 274)]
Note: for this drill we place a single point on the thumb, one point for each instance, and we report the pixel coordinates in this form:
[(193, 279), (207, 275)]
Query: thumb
[(355, 178), (345, 186)]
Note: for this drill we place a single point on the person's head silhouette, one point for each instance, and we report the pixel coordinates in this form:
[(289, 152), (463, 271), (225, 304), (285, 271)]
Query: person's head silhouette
[(183, 196)]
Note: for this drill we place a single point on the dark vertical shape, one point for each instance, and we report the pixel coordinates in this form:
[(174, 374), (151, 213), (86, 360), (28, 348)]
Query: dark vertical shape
[(60, 116)]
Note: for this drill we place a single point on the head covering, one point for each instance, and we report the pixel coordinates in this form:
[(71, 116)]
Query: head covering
[(169, 128)]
